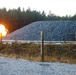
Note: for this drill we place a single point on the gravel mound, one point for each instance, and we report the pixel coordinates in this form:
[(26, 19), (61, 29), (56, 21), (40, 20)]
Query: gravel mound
[(53, 31)]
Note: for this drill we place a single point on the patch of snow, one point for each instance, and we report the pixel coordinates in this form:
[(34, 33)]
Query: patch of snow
[(23, 67)]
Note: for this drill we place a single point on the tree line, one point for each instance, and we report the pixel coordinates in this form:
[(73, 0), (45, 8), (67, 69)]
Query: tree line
[(14, 19)]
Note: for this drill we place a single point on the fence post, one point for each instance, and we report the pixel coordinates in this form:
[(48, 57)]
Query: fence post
[(42, 47), (64, 37), (75, 36), (1, 37)]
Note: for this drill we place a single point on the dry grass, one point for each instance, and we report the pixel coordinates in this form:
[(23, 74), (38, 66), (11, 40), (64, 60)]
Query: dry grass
[(52, 53)]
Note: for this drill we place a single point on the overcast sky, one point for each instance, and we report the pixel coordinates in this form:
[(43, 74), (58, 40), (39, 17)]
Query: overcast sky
[(58, 7)]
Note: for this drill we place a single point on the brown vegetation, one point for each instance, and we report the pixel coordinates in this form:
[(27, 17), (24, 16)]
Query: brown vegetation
[(31, 51)]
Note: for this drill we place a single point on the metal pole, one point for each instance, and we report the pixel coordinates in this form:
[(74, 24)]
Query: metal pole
[(42, 47)]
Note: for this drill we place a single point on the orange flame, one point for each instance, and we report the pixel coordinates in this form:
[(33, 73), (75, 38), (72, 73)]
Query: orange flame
[(3, 30)]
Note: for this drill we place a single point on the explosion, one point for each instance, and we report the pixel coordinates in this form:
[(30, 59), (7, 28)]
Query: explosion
[(3, 30)]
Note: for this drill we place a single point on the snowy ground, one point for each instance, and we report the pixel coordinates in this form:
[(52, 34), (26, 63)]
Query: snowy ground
[(24, 67)]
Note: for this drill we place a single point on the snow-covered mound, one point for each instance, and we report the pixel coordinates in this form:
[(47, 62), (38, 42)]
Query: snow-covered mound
[(53, 31), (24, 67)]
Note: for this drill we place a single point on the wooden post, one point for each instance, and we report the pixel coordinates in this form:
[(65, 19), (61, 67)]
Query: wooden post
[(75, 36), (1, 38), (42, 47), (64, 37)]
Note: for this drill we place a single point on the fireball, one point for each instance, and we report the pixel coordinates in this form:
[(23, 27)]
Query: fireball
[(3, 30)]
